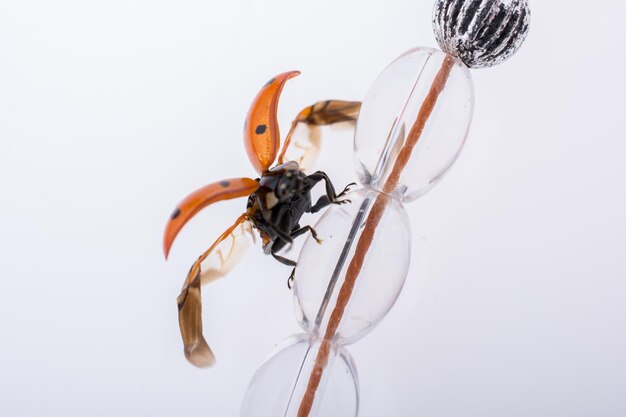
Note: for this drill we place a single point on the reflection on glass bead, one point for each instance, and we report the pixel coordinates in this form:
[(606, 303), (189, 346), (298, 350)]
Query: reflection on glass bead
[(389, 114), (278, 386), (481, 32), (322, 267)]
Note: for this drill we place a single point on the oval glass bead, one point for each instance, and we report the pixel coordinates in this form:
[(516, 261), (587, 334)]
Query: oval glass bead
[(424, 97), (278, 386), (323, 267)]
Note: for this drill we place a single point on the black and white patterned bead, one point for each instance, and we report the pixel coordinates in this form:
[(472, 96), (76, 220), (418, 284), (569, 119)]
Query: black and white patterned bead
[(482, 33)]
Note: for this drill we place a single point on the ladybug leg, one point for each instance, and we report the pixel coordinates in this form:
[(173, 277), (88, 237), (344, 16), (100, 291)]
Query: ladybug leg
[(286, 261), (294, 235), (321, 203), (291, 278), (284, 238), (282, 259), (346, 190), (280, 244), (276, 247), (322, 113), (331, 195), (303, 230), (318, 176), (324, 201)]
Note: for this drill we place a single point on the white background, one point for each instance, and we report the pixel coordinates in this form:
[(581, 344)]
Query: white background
[(111, 111)]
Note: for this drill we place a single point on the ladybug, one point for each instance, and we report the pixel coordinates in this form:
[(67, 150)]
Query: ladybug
[(277, 200)]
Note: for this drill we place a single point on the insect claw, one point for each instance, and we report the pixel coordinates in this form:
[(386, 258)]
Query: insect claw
[(344, 201), (347, 189), (291, 278), (314, 234)]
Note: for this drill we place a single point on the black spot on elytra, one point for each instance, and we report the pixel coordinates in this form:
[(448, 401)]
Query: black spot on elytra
[(175, 214), (260, 129), (224, 183), (269, 82)]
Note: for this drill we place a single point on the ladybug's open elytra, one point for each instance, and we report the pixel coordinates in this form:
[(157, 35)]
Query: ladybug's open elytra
[(276, 201)]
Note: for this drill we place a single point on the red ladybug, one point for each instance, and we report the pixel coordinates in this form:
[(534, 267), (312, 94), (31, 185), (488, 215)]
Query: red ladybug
[(276, 202)]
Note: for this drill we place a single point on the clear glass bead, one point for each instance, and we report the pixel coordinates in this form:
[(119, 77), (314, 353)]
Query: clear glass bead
[(322, 267), (390, 114), (277, 388)]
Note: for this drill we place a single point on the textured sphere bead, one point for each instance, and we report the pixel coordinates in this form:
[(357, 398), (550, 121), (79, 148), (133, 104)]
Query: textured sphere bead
[(482, 33)]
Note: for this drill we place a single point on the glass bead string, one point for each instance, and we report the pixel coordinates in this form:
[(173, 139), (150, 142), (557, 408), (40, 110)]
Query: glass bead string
[(367, 236)]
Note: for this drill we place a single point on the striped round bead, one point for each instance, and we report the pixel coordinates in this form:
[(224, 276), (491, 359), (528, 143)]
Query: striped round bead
[(482, 33)]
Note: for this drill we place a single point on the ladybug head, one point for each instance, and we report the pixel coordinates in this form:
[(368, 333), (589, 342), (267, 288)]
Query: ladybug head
[(291, 183)]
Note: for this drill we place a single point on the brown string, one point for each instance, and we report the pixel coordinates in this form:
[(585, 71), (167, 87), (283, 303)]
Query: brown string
[(365, 241)]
